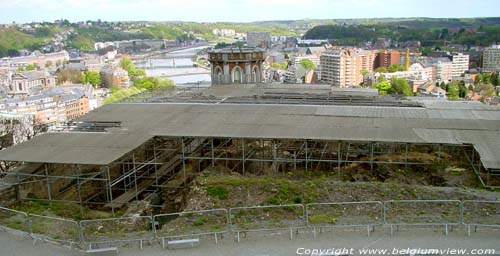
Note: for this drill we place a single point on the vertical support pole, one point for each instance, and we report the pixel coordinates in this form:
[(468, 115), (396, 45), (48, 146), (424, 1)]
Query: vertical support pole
[(371, 165), (243, 155), (406, 156), (339, 157), (110, 191), (49, 192), (79, 189), (439, 153), (135, 176), (213, 153), (183, 162), (307, 156), (155, 164)]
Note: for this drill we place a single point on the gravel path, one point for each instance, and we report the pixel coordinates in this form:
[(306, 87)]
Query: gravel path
[(278, 243)]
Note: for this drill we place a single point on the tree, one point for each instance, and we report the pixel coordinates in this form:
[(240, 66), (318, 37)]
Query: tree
[(284, 65), (478, 79), (126, 63), (307, 64), (453, 91), (381, 70), (364, 72), (462, 89), (400, 86), (487, 78), (93, 78), (443, 86), (18, 130), (275, 65), (494, 79), (70, 75), (384, 87), (395, 67), (30, 67), (48, 64)]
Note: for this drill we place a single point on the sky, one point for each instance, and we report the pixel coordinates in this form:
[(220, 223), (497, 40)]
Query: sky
[(22, 11)]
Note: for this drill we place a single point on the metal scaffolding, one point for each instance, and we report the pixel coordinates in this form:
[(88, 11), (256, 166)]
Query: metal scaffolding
[(150, 167)]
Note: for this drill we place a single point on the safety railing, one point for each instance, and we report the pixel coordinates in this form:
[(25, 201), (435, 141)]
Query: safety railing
[(369, 214), (267, 218), (480, 214), (345, 214), (191, 224), (447, 213), (54, 229), (14, 220), (113, 230)]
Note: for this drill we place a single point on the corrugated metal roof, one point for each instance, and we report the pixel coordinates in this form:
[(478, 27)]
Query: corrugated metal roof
[(141, 122)]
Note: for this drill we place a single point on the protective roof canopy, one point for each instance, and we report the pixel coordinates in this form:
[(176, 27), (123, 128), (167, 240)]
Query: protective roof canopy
[(437, 122)]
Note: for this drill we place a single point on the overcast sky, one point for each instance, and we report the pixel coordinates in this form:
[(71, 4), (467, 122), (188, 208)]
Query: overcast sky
[(238, 10)]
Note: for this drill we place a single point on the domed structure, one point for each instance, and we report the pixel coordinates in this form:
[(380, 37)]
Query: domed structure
[(236, 65)]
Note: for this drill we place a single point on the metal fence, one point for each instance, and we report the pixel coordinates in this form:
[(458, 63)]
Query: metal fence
[(114, 230), (267, 218), (480, 214), (56, 229), (15, 220), (345, 214), (394, 213), (191, 223), (422, 213)]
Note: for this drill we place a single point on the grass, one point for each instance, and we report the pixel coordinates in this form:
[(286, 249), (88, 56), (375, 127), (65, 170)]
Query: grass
[(218, 192)]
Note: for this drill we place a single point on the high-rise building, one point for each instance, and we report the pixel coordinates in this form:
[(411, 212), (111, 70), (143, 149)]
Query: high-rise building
[(387, 58), (491, 58), (460, 64), (342, 67), (444, 69)]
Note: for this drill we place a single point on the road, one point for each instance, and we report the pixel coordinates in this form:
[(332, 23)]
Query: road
[(258, 244)]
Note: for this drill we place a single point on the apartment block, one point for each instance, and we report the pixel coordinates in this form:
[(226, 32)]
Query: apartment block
[(491, 58), (341, 67), (460, 64)]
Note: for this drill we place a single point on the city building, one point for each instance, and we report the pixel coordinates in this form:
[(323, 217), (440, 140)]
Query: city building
[(20, 84), (259, 39), (38, 58), (444, 69), (236, 65), (386, 58), (460, 64), (342, 67), (491, 58), (113, 76)]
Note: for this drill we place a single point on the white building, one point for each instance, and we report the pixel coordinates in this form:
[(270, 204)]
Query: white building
[(491, 58), (460, 64)]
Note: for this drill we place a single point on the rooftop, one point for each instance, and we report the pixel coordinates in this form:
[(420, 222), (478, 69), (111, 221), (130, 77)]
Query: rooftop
[(436, 122)]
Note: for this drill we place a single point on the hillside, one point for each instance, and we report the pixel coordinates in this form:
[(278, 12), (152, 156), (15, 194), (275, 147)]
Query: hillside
[(430, 33)]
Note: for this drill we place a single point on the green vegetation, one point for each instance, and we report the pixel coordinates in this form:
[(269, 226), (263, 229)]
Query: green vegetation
[(307, 64), (384, 87), (73, 76), (118, 95), (93, 78), (218, 192), (12, 40), (431, 32), (395, 86), (126, 64), (151, 83), (69, 211)]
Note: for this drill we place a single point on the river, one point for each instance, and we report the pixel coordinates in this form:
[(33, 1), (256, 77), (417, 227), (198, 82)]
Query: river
[(183, 72)]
